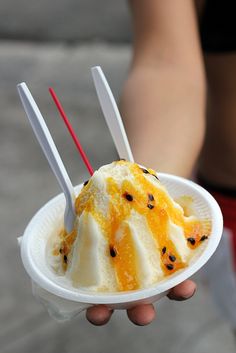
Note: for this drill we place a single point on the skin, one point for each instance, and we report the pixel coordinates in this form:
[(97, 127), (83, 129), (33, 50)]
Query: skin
[(164, 108), (165, 86)]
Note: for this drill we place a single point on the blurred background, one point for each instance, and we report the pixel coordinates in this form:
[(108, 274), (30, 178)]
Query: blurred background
[(54, 43)]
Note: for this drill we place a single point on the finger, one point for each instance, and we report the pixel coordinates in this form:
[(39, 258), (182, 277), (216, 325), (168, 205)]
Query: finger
[(183, 291), (141, 315), (98, 315)]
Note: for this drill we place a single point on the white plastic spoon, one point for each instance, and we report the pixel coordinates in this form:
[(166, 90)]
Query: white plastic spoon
[(111, 113), (48, 146)]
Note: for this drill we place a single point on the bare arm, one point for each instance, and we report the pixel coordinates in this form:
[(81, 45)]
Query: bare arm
[(163, 100), (163, 104)]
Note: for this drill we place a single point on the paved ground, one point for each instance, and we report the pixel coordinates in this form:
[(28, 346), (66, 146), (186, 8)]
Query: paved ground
[(26, 183), (70, 20)]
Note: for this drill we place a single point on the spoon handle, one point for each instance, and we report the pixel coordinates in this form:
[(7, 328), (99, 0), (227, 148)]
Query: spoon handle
[(48, 146), (111, 114)]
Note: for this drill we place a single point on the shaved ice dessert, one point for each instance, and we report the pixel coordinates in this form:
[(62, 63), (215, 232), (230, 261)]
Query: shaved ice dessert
[(129, 233)]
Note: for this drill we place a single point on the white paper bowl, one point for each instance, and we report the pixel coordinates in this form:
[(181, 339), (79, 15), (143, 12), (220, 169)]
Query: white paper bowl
[(62, 300)]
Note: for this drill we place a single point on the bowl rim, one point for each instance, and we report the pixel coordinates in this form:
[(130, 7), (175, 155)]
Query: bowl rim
[(129, 296)]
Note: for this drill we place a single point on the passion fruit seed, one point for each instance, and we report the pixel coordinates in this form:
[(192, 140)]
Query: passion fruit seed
[(112, 251), (150, 206), (192, 241), (150, 197), (86, 182), (145, 171), (170, 267), (204, 237), (128, 197), (163, 250), (172, 258), (65, 259)]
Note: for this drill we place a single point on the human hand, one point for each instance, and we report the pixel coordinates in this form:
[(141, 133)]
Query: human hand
[(142, 314)]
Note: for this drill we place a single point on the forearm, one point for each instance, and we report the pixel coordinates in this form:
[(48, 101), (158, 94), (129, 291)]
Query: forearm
[(164, 117), (163, 101)]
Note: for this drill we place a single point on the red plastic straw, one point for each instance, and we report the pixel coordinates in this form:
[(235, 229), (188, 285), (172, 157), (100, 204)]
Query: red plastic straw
[(71, 131)]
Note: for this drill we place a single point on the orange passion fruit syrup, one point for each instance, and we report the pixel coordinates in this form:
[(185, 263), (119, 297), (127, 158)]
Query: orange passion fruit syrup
[(155, 205)]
